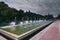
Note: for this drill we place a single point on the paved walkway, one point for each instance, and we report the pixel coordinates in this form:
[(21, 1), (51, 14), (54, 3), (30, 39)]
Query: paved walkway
[(2, 38), (52, 32)]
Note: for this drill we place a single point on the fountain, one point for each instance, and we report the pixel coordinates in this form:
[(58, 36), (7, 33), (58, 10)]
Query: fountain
[(26, 22), (12, 23)]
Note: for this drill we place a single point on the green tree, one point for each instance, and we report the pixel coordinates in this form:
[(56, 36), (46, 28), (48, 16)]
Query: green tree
[(58, 17), (49, 17)]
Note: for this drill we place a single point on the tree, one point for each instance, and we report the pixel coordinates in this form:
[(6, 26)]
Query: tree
[(49, 17), (20, 15), (8, 14), (58, 17)]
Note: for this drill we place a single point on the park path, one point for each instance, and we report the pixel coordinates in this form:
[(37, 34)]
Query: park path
[(2, 38), (52, 32)]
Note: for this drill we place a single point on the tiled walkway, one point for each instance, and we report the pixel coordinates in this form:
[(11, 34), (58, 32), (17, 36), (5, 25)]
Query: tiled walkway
[(52, 32)]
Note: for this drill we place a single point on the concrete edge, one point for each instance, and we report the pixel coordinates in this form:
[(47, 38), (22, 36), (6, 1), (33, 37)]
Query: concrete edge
[(13, 36)]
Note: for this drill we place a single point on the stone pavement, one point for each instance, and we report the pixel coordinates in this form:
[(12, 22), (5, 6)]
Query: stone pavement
[(2, 38), (52, 32)]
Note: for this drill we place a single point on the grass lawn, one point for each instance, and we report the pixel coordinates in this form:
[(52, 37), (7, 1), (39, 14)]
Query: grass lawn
[(22, 29)]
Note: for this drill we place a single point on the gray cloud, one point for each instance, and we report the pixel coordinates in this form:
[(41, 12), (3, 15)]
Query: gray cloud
[(39, 6)]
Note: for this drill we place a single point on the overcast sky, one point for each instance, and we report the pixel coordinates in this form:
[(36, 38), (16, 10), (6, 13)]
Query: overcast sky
[(38, 6)]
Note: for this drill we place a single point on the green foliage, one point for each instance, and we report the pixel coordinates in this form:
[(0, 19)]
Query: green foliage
[(8, 14), (3, 5), (58, 17), (49, 17)]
